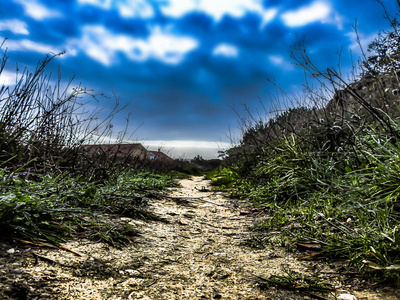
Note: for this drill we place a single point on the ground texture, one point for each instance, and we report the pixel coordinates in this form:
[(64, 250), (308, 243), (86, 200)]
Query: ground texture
[(201, 248)]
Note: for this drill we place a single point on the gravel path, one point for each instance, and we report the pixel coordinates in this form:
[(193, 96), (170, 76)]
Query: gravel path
[(199, 251)]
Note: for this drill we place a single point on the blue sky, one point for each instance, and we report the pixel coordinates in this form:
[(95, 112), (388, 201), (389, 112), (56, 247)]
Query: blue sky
[(181, 65)]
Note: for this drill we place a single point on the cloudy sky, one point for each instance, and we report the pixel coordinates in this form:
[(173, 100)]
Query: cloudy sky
[(181, 65)]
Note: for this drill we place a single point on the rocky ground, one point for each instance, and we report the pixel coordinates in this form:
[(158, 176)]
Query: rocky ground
[(200, 249)]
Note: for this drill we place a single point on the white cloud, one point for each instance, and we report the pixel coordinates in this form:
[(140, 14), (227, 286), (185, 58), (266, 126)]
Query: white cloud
[(226, 50), (28, 45), (15, 26), (268, 16), (103, 45), (104, 4), (216, 8), (8, 78), (137, 8), (364, 41), (276, 59), (126, 8), (318, 11), (280, 61), (178, 8), (37, 11), (235, 8)]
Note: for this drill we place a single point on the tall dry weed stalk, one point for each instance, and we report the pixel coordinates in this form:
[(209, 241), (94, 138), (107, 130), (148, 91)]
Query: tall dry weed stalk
[(43, 124)]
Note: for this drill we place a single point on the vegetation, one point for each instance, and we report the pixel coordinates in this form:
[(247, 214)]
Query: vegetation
[(53, 208), (50, 186), (325, 172)]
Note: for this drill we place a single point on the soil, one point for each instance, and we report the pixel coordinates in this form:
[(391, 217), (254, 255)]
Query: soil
[(201, 248)]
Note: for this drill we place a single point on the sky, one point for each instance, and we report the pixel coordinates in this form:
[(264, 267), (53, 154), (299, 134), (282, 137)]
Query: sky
[(185, 68)]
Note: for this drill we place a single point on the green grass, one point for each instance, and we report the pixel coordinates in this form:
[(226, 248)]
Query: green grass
[(47, 208), (311, 198)]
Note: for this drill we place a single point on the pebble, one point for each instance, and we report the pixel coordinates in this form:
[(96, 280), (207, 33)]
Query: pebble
[(132, 272), (346, 297), (45, 296), (11, 251), (17, 271)]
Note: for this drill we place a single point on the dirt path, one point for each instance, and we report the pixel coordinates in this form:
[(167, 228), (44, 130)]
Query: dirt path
[(198, 253)]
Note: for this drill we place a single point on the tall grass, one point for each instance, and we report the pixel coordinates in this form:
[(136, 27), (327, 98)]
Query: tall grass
[(49, 184), (326, 170), (44, 122)]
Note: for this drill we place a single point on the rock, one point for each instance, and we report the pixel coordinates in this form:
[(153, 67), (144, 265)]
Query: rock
[(346, 297), (17, 271), (45, 296), (132, 272), (11, 251), (183, 222), (243, 212)]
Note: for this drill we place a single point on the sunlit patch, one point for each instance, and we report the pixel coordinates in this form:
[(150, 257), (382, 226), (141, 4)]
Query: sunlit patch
[(318, 11), (226, 50), (103, 45), (37, 11), (15, 26)]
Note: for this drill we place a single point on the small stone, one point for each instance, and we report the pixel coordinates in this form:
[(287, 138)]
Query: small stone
[(132, 272), (183, 222), (11, 251), (346, 297), (17, 271), (243, 212), (45, 296)]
